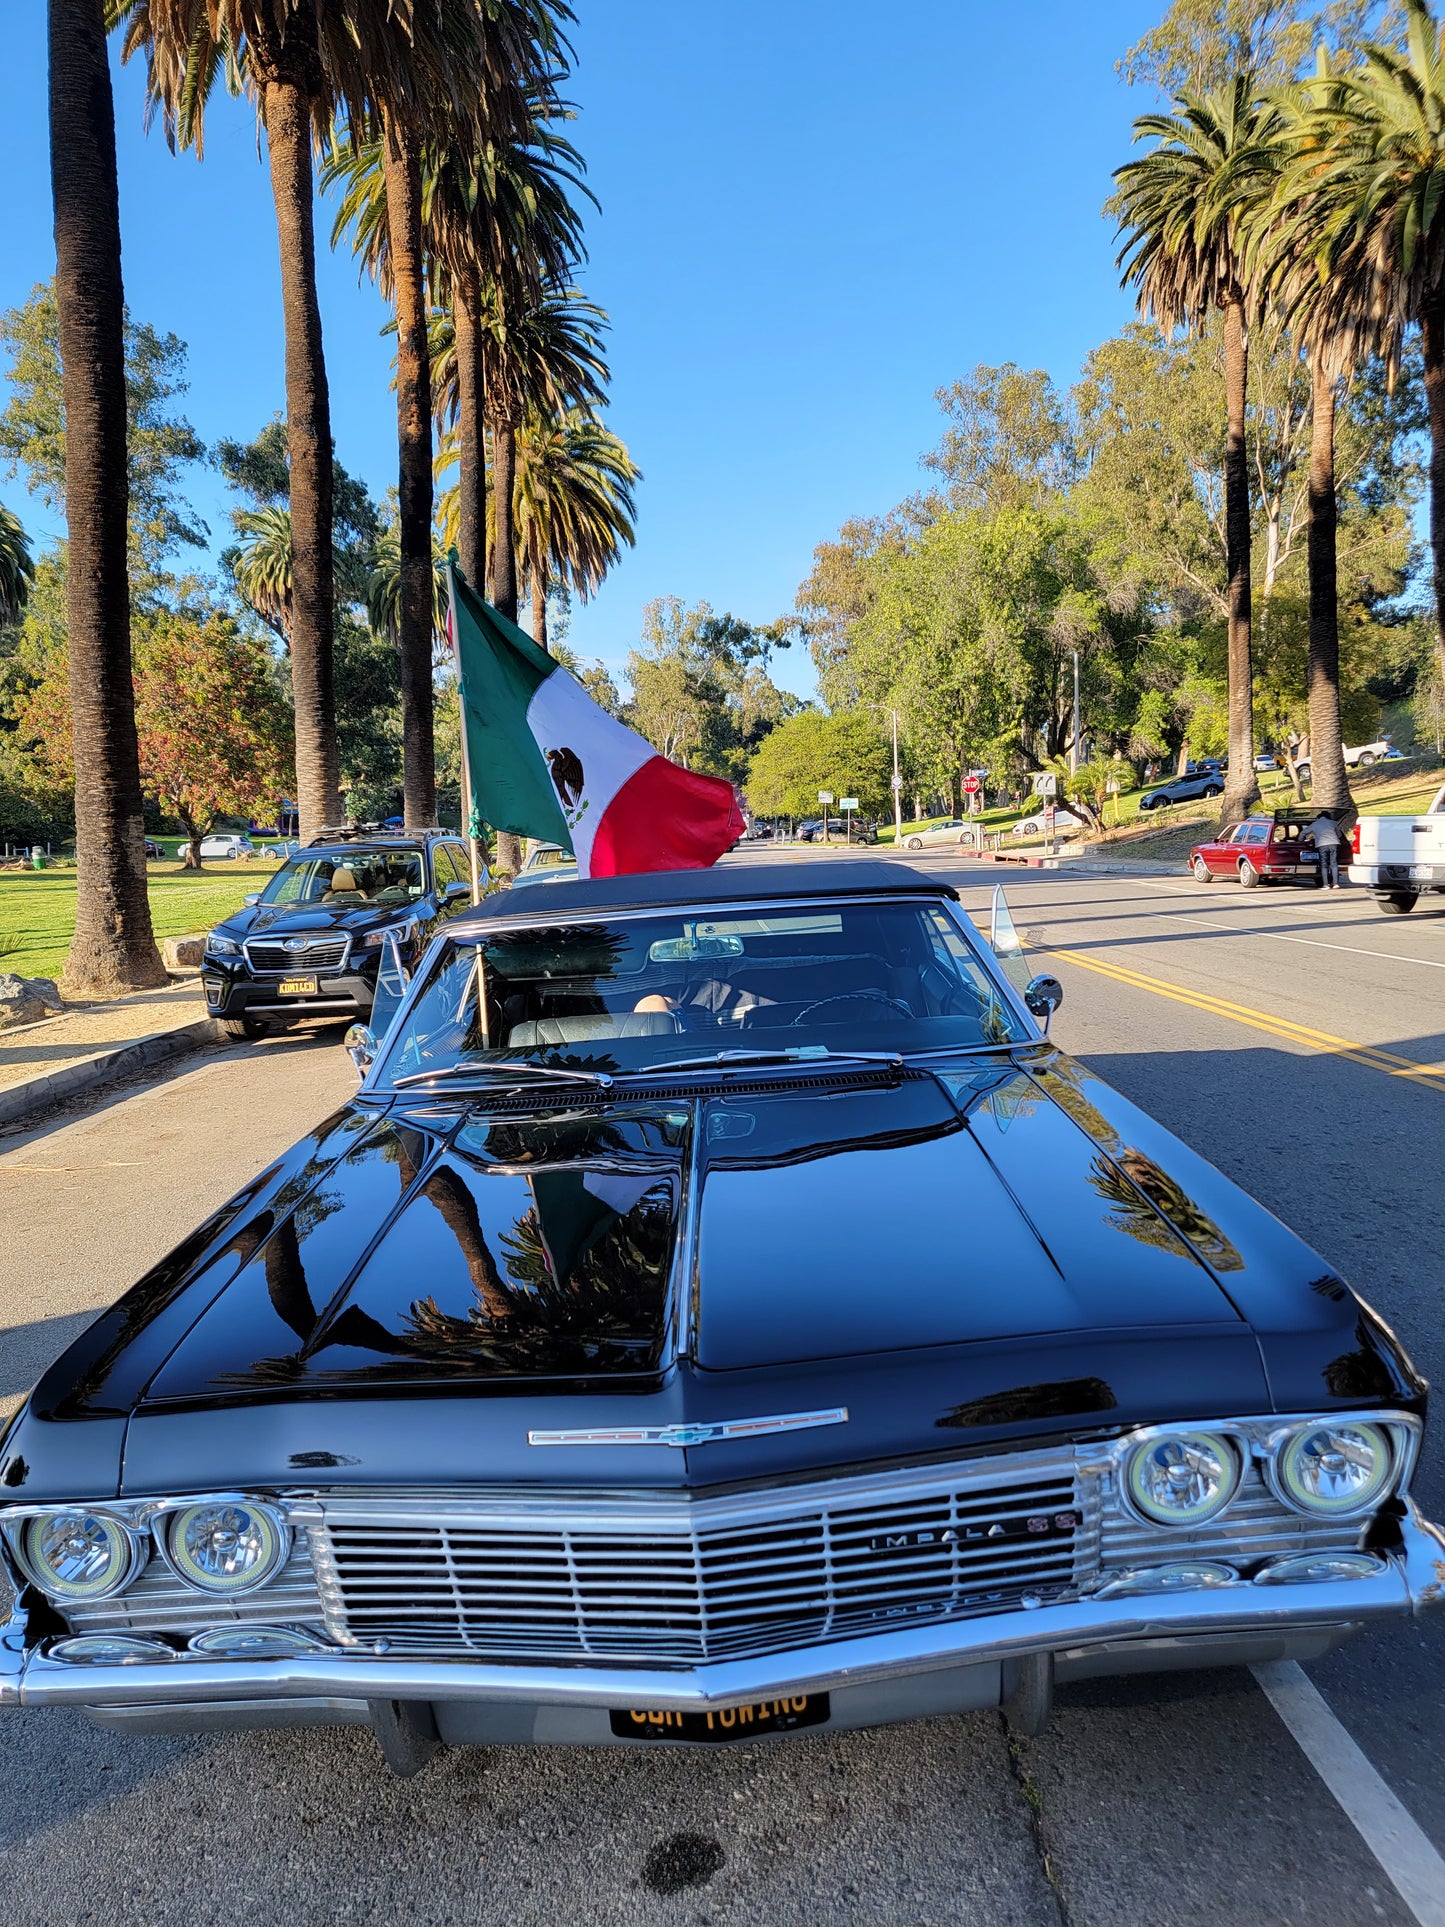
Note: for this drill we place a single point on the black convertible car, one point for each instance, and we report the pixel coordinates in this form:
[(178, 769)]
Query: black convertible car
[(721, 1313)]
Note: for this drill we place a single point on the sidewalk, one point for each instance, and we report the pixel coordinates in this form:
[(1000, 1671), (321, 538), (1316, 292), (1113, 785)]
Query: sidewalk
[(42, 1063)]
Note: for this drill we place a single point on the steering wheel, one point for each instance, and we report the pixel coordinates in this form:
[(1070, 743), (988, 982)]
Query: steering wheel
[(895, 1004)]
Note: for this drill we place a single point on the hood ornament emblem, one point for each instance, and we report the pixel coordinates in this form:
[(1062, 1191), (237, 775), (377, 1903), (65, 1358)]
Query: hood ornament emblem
[(681, 1436), (294, 943)]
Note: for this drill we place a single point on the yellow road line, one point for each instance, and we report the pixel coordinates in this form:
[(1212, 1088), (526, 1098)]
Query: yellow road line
[(1432, 1076)]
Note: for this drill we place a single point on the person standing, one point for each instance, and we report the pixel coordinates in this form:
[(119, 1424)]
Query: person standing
[(1326, 834)]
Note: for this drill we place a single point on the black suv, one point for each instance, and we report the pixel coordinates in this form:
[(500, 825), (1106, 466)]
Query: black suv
[(310, 943)]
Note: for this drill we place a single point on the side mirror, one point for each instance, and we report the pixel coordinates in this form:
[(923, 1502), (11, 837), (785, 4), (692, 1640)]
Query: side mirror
[(360, 1047), (251, 896), (1043, 996), (459, 890)]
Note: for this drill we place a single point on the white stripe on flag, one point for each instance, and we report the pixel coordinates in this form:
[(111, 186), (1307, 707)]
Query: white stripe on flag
[(562, 716)]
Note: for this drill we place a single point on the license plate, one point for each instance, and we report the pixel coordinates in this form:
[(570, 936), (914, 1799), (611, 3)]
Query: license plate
[(297, 987), (725, 1723), (1422, 872)]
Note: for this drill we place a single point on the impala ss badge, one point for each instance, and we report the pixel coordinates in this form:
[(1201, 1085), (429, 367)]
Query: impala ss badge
[(684, 1435)]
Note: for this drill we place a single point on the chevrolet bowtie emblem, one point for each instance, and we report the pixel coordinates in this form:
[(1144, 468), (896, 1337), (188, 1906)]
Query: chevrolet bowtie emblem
[(685, 1435)]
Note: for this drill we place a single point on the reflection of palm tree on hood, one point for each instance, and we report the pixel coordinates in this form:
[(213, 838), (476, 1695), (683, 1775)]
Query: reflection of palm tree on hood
[(1151, 1207)]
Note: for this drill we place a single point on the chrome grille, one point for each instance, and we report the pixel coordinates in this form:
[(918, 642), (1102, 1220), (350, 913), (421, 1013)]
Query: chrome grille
[(668, 1580), (316, 953), (159, 1603)]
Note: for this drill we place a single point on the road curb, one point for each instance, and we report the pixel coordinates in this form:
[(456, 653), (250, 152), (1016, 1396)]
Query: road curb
[(51, 1087)]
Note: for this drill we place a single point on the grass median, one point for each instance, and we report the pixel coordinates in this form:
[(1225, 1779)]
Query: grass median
[(37, 908)]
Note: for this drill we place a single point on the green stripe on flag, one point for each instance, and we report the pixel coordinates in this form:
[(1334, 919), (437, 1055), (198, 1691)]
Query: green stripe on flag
[(501, 670)]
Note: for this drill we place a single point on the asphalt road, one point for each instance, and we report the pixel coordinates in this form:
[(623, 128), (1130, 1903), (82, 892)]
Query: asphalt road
[(1149, 1803)]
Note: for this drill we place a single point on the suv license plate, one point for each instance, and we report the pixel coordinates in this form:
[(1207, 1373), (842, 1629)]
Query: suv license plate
[(297, 987), (724, 1723), (1422, 872)]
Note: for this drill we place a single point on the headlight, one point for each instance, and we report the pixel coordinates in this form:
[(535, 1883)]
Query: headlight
[(403, 932), (1333, 1467), (221, 946), (1182, 1478), (227, 1546), (79, 1554)]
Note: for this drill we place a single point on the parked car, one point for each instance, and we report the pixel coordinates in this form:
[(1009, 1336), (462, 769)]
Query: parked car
[(226, 845), (1262, 849), (545, 863), (1065, 823), (1360, 756), (613, 1368), (939, 836), (312, 942), (1264, 763), (1184, 789), (154, 850), (1399, 859)]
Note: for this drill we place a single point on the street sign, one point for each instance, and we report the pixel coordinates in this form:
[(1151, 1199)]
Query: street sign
[(970, 784), (1046, 783), (825, 796), (895, 782), (847, 802), (1048, 816)]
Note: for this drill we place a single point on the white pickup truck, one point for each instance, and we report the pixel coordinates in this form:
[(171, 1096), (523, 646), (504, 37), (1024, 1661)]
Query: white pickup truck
[(1400, 858)]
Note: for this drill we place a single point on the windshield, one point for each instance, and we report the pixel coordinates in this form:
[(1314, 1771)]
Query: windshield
[(348, 879), (625, 992)]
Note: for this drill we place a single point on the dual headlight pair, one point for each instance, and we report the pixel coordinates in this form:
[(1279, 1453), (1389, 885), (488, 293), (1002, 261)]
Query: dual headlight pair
[(218, 1546), (1331, 1468)]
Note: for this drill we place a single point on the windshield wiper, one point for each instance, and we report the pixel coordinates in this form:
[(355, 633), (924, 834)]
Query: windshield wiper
[(490, 1072), (798, 1054)]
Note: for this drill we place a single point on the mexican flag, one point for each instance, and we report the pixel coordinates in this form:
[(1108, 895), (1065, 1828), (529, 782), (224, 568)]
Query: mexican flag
[(547, 761)]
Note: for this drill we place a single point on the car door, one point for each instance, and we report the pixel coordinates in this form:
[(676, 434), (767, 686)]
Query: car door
[(457, 892), (1219, 855)]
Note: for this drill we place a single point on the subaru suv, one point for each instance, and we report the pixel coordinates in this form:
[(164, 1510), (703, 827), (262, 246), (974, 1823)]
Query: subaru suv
[(310, 943)]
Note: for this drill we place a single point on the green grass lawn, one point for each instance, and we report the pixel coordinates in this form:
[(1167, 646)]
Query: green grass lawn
[(37, 908)]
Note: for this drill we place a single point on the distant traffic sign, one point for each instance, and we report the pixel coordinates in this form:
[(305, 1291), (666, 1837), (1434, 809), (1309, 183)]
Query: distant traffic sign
[(1046, 783), (970, 784), (847, 802), (825, 796), (895, 782)]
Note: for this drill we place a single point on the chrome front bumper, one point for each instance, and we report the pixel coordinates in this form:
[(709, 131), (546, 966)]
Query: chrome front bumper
[(1412, 1582)]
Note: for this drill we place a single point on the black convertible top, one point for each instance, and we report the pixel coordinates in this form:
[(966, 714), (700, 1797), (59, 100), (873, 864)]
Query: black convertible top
[(738, 883)]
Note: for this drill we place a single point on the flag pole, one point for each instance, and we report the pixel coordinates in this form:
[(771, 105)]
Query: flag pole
[(469, 810)]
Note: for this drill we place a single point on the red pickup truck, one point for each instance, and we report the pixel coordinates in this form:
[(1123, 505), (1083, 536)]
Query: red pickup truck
[(1262, 849)]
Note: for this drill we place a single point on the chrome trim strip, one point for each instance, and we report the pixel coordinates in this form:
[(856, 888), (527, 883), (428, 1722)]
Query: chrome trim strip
[(1413, 1582), (299, 966), (682, 1436)]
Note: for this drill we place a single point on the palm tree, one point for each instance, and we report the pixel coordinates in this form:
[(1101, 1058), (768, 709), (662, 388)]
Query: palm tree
[(1184, 208), (305, 62), (1382, 138), (261, 565), (574, 506), (1329, 294), (17, 568), (114, 945)]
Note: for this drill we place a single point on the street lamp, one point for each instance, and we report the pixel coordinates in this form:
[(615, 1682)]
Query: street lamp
[(1074, 745), (897, 778)]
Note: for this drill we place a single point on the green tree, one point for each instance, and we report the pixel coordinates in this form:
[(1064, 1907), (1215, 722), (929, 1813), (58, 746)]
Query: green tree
[(846, 753), (1184, 210), (701, 692), (574, 506), (1200, 45), (17, 568), (1010, 442)]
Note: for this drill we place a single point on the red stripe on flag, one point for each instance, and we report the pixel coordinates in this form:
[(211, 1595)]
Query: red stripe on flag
[(666, 818)]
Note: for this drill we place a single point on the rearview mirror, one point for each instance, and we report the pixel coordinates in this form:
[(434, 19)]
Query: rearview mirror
[(360, 1046), (692, 948), (1043, 996)]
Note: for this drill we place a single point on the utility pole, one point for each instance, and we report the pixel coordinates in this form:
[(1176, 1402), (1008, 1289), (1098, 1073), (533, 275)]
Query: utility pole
[(1074, 746), (897, 788)]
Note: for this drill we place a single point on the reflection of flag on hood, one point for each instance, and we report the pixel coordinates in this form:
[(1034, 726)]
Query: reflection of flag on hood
[(546, 761), (575, 1207)]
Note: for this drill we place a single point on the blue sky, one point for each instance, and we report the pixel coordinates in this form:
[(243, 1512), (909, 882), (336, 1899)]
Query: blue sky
[(809, 223)]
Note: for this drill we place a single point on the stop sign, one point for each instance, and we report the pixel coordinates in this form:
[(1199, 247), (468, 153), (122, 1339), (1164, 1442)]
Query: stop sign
[(970, 784)]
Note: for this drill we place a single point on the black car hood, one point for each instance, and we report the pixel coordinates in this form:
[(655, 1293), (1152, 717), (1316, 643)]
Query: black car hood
[(949, 1259), (277, 921)]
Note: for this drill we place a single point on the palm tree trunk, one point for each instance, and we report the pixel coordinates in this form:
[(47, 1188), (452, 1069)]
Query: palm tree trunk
[(537, 593), (113, 947), (471, 433), (1329, 784), (504, 545), (1432, 345), (288, 78), (402, 165), (1241, 788)]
